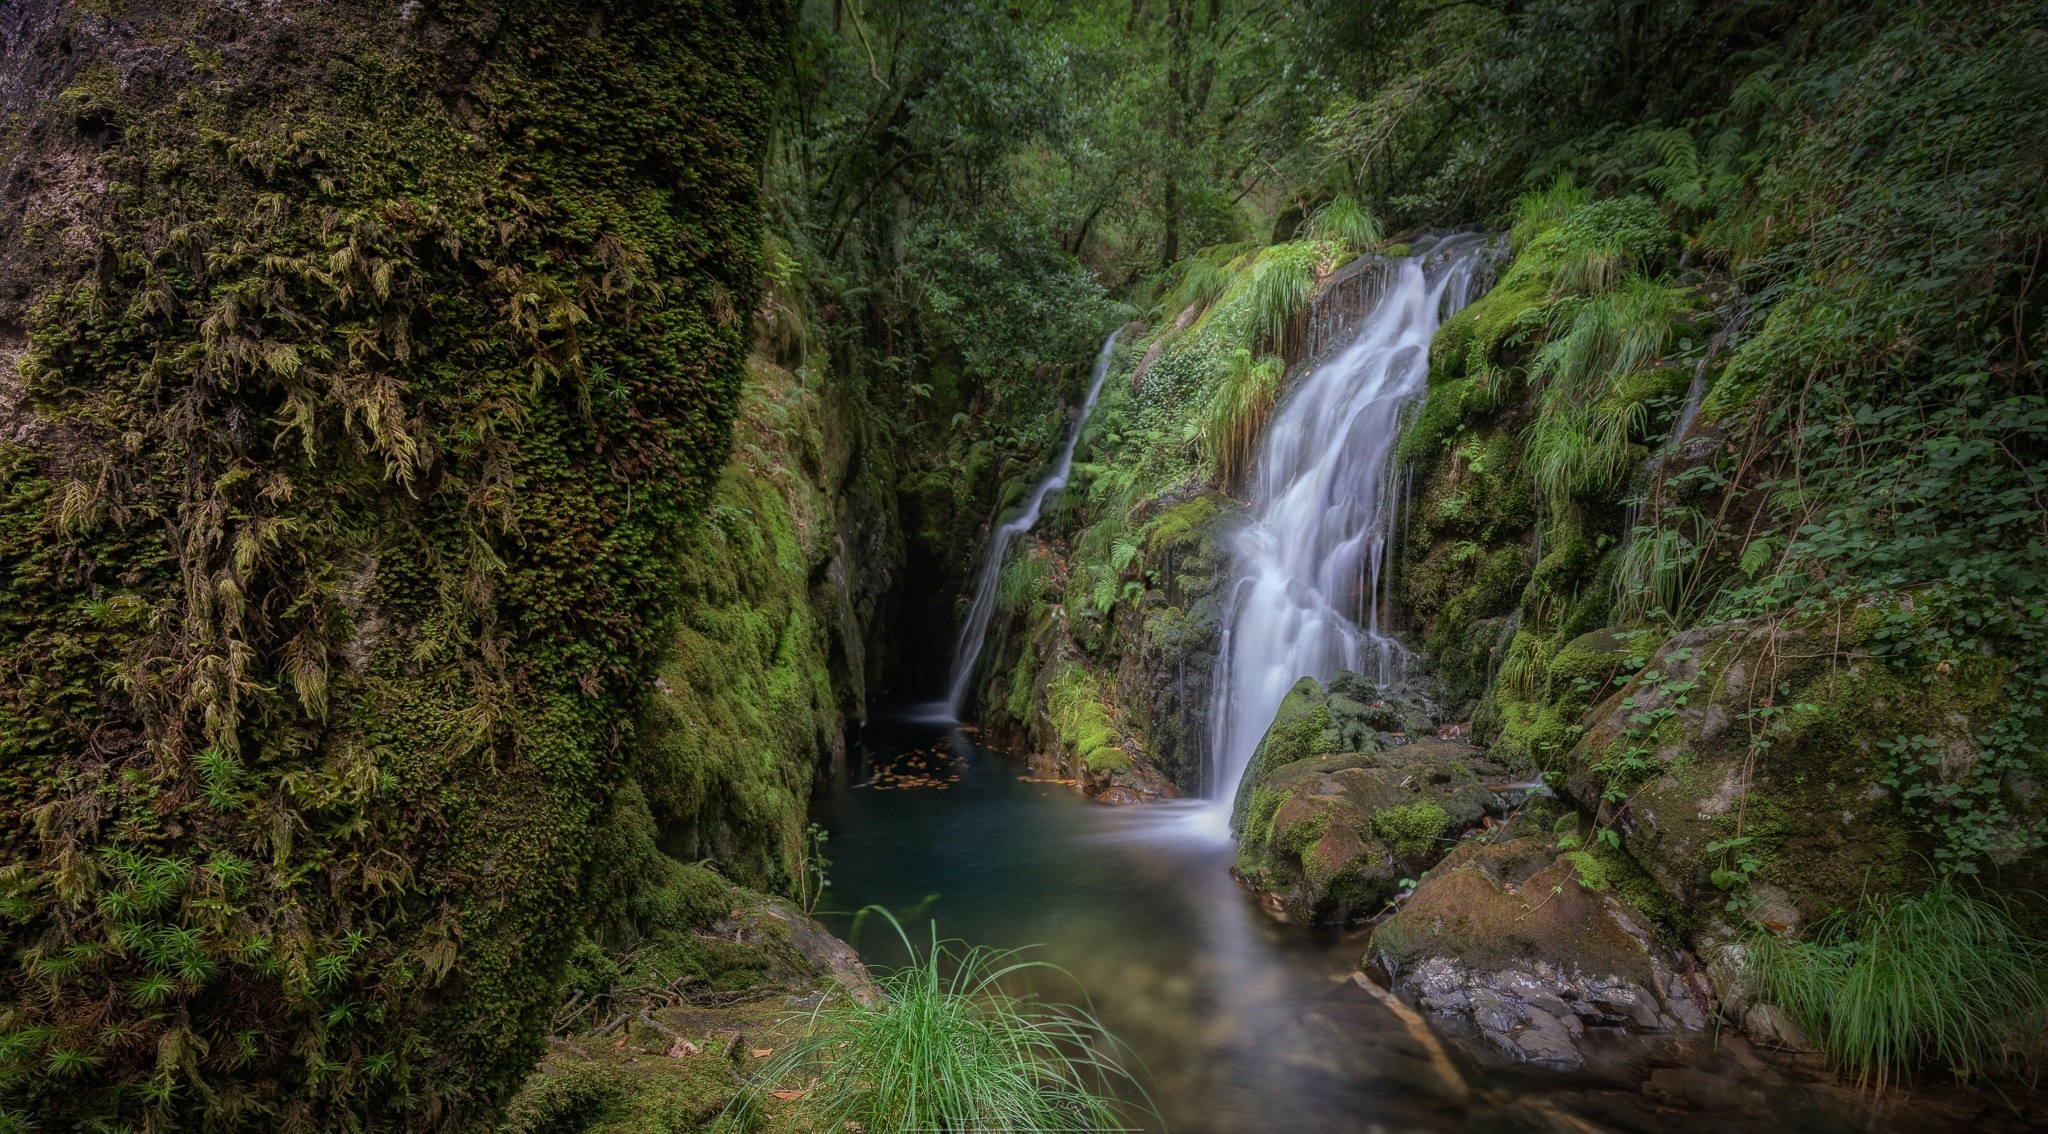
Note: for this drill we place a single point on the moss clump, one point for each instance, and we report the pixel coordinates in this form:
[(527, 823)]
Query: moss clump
[(1299, 836), (1411, 828), (745, 707), (1080, 717), (340, 555)]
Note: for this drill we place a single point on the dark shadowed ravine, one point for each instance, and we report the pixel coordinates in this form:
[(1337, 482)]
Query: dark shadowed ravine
[(1244, 1023)]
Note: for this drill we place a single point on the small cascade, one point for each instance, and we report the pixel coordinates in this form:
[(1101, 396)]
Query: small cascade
[(974, 628), (1310, 590)]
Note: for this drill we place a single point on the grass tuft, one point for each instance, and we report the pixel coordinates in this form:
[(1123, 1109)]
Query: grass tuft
[(1938, 980), (948, 1046), (1345, 221), (1237, 412)]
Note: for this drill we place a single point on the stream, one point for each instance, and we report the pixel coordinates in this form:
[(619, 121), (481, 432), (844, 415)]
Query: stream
[(1244, 1024)]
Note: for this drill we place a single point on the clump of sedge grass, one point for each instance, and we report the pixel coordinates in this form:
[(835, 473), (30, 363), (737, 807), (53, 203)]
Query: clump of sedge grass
[(1237, 411), (1939, 980), (948, 1046)]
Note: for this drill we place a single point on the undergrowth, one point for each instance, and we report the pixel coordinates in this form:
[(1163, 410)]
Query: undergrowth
[(1942, 979), (950, 1044)]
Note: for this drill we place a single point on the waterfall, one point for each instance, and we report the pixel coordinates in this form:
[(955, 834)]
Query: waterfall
[(974, 628), (1309, 565)]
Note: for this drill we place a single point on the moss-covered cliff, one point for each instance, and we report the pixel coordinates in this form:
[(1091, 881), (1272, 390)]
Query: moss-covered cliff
[(374, 365)]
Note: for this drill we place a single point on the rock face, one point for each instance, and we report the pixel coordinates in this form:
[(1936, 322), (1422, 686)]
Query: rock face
[(1776, 738), (1339, 803), (1531, 945), (366, 368)]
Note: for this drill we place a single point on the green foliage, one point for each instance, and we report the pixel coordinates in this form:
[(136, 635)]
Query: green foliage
[(1540, 210), (950, 1043), (368, 444), (1238, 408), (1080, 715), (1343, 220), (1938, 980), (1411, 828)]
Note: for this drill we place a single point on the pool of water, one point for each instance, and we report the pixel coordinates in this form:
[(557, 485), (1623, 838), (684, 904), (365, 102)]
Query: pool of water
[(1245, 1023)]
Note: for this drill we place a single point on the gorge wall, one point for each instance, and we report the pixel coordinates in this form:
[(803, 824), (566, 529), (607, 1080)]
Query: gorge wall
[(370, 369)]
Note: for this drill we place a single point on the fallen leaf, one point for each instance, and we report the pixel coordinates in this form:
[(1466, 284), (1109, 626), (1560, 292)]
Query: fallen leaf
[(683, 1047), (787, 1094), (761, 1052), (620, 1042)]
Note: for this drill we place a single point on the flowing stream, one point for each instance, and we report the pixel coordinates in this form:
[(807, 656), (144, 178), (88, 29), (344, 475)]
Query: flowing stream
[(974, 628), (1308, 597)]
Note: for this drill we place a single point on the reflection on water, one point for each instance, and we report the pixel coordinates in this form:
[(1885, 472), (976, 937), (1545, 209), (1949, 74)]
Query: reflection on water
[(1245, 1024)]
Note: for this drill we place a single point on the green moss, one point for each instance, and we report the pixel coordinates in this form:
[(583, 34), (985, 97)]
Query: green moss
[(1255, 831), (1079, 711), (1181, 526), (1411, 828), (370, 445), (1302, 834), (745, 707)]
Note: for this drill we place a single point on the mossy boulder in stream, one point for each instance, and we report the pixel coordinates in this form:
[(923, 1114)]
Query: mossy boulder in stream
[(1530, 940), (1340, 803)]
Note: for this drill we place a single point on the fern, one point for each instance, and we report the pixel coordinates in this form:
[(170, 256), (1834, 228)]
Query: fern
[(1122, 552), (1680, 176)]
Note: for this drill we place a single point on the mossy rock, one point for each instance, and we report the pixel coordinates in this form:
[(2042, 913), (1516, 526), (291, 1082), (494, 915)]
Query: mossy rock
[(1804, 782), (1329, 833), (1509, 933), (386, 380)]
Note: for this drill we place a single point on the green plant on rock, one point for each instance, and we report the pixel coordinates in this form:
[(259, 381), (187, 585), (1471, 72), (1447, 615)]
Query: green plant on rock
[(1343, 220), (1411, 828), (950, 1043), (1243, 399), (1937, 980)]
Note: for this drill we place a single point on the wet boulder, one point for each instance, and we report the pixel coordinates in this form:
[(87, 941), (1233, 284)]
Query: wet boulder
[(1336, 809), (1529, 941)]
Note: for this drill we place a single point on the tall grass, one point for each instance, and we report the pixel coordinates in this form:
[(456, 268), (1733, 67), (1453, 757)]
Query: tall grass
[(1580, 441), (1938, 980), (1538, 209), (1277, 291), (1203, 278), (947, 1046), (1022, 579), (1343, 220), (1237, 411), (1593, 342)]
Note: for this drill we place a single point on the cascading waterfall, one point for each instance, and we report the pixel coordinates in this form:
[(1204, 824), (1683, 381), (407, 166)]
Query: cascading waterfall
[(974, 628), (1308, 596)]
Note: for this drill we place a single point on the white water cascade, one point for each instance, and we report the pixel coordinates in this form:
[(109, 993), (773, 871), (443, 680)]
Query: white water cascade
[(1307, 597), (974, 628)]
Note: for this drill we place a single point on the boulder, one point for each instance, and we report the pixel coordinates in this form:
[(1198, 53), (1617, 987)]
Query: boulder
[(1530, 943), (1338, 807), (1749, 760)]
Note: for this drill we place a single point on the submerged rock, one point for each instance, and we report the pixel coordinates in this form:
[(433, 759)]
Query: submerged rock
[(1530, 943), (1340, 802)]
